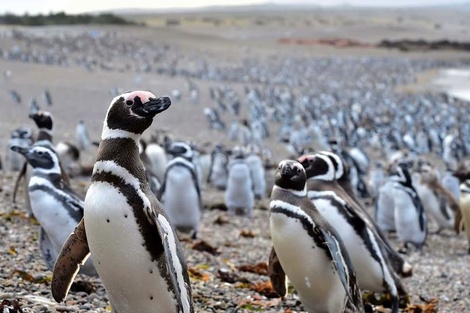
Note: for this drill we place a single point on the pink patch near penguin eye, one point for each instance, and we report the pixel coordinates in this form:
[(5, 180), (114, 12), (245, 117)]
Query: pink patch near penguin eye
[(143, 95)]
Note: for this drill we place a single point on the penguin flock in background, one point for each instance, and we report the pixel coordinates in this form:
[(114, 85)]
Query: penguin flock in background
[(317, 201)]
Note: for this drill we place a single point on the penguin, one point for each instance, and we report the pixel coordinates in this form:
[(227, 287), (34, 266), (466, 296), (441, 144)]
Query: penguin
[(438, 202), (82, 137), (410, 216), (180, 192), (57, 208), (154, 182), (47, 97), (255, 163), (15, 96), (218, 173), (44, 122), (333, 171), (22, 136), (239, 194), (373, 269), (465, 208), (136, 251), (157, 159), (309, 250), (384, 207)]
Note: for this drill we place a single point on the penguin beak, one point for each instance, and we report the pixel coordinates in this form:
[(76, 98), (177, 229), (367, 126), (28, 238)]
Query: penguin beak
[(151, 107), (20, 150), (286, 171)]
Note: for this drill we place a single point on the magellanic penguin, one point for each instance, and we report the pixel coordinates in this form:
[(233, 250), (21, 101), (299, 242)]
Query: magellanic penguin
[(56, 207), (218, 173), (373, 269), (44, 123), (180, 192), (309, 250), (136, 251), (82, 137), (255, 163), (336, 179), (22, 136), (239, 193), (438, 202), (410, 217)]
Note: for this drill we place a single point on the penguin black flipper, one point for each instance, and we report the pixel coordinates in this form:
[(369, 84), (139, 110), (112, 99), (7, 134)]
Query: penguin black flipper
[(21, 175), (74, 253), (276, 273), (341, 262), (172, 251), (161, 191), (48, 252)]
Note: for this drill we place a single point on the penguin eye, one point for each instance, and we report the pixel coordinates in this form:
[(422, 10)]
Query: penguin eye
[(39, 153), (298, 170), (129, 102)]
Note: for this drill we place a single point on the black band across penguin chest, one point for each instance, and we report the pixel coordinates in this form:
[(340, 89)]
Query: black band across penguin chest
[(312, 230), (150, 237), (131, 162)]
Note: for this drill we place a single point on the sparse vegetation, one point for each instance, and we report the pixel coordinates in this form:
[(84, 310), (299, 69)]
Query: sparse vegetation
[(61, 18)]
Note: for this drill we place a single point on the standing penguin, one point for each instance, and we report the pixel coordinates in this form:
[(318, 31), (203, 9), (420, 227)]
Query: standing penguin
[(44, 123), (81, 134), (365, 248), (239, 193), (334, 174), (180, 192), (56, 207), (309, 250), (255, 163), (136, 252), (438, 202), (218, 172), (410, 216), (22, 136)]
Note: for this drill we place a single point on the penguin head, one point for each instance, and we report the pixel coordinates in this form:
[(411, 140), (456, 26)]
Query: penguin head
[(40, 157), (318, 166), (42, 119), (290, 175), (180, 149), (340, 166), (133, 111), (22, 133)]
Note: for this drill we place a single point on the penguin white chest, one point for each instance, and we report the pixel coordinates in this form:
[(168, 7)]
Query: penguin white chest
[(307, 265), (368, 270), (132, 279), (53, 217)]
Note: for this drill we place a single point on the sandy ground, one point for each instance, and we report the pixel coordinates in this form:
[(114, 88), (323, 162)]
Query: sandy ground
[(441, 269)]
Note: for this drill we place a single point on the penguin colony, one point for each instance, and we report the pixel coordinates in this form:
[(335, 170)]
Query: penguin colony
[(316, 201)]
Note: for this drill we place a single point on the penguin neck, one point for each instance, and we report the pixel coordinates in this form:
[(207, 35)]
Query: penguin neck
[(45, 135), (124, 152), (109, 133), (51, 174)]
